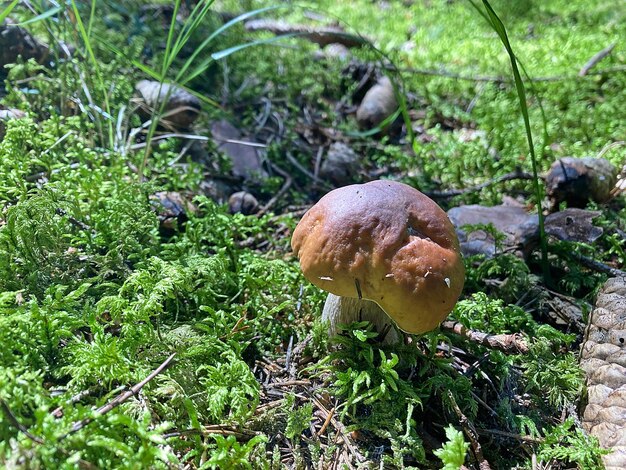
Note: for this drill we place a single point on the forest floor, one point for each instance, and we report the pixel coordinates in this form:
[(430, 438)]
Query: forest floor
[(152, 313)]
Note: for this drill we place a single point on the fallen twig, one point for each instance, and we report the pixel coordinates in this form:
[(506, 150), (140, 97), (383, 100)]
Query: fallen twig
[(326, 422), (507, 343), (519, 437), (319, 35), (341, 430), (472, 435), (598, 266), (286, 185), (501, 80), (14, 421), (58, 412), (221, 429), (117, 401), (74, 221), (591, 63)]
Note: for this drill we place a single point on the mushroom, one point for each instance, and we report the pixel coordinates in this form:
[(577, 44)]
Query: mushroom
[(381, 249)]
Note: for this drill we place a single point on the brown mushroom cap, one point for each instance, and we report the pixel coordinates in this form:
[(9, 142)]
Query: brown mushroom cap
[(390, 240)]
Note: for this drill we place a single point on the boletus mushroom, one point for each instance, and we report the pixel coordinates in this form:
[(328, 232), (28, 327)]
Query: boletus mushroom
[(382, 250)]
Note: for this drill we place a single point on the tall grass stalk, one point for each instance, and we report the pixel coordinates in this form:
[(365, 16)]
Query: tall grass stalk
[(496, 23), (7, 11), (189, 70), (96, 68)]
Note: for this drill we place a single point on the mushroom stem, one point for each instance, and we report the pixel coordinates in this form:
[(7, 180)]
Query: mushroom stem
[(344, 310)]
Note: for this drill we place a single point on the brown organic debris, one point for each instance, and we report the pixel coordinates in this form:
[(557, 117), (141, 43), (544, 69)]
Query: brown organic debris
[(573, 225), (521, 229), (603, 358), (16, 42), (323, 35), (242, 202), (172, 209), (577, 181)]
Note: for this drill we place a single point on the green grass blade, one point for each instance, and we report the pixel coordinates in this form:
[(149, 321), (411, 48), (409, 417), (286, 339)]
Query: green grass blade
[(386, 122), (42, 16), (498, 27), (231, 50), (241, 18), (96, 66), (170, 38), (191, 24), (203, 66), (7, 11)]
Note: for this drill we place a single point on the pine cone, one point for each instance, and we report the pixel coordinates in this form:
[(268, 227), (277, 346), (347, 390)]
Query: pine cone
[(603, 358)]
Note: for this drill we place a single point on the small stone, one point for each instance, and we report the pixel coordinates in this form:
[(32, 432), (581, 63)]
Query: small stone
[(378, 104), (246, 163), (341, 164), (179, 112), (242, 202)]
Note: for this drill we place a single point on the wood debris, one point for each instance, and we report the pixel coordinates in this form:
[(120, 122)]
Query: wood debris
[(323, 35)]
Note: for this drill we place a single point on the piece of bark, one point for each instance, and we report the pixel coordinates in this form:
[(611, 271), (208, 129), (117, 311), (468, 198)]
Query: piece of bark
[(179, 111), (246, 163), (603, 358), (520, 229), (573, 225), (577, 181), (341, 165), (323, 36), (378, 104)]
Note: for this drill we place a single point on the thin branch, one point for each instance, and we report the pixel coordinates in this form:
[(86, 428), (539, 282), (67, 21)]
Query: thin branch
[(285, 187), (74, 221), (595, 59), (221, 429), (507, 343), (519, 437), (58, 412), (598, 266), (472, 435), (13, 420), (501, 80), (117, 401), (341, 430)]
